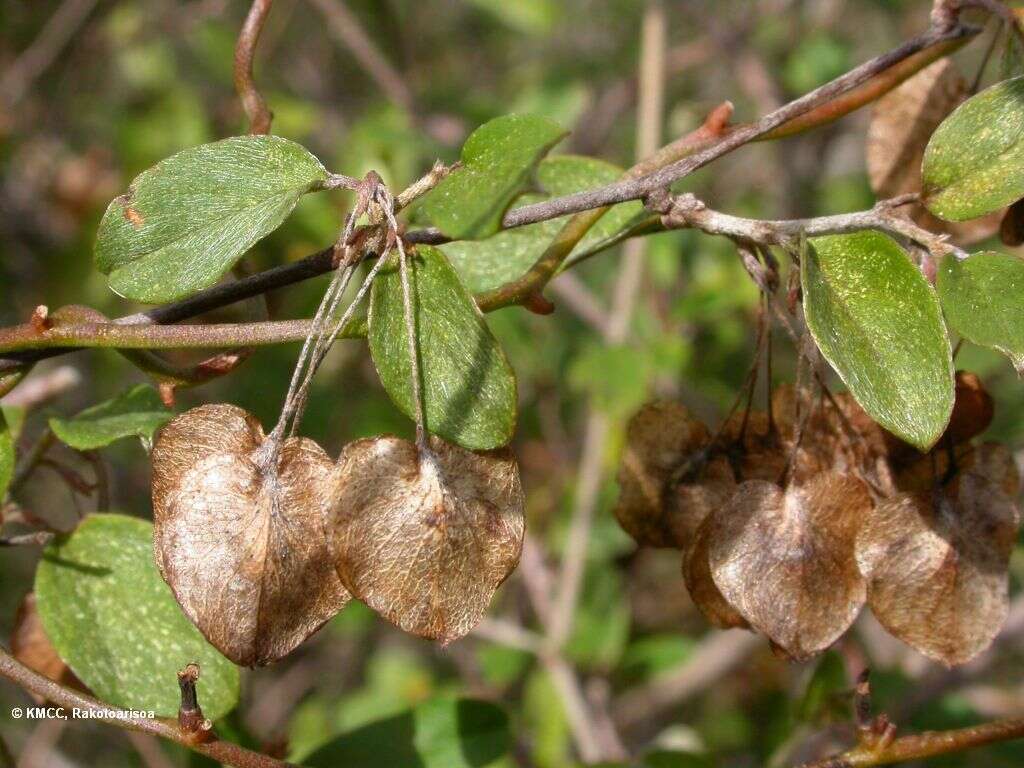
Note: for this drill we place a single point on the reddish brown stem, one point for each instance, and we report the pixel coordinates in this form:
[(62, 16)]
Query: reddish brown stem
[(245, 50)]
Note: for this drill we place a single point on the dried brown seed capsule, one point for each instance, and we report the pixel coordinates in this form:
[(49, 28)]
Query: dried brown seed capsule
[(426, 540), (837, 436), (703, 590), (660, 438), (242, 545), (936, 565), (785, 559)]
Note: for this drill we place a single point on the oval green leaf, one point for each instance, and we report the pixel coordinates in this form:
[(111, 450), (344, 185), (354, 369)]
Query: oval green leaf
[(185, 222), (877, 322), (974, 162), (486, 264), (136, 412), (469, 389), (115, 623), (497, 161), (983, 297), (442, 732)]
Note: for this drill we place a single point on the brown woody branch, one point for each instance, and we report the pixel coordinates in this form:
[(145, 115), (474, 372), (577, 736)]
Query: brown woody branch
[(848, 92), (878, 744), (221, 751)]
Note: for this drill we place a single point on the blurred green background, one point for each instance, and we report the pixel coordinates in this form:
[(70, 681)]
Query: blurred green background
[(139, 80)]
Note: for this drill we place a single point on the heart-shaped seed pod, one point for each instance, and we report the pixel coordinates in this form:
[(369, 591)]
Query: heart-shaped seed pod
[(692, 499), (244, 546), (936, 565), (426, 539), (785, 559), (660, 438), (701, 586)]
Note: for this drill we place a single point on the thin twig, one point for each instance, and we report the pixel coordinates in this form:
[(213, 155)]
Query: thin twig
[(245, 50), (44, 50), (346, 28), (59, 695)]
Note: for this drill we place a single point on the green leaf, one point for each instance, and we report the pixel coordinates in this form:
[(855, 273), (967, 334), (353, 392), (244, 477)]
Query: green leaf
[(442, 732), (185, 222), (505, 256), (116, 624), (974, 162), (469, 390), (983, 297), (877, 322), (497, 160), (135, 412), (6, 454)]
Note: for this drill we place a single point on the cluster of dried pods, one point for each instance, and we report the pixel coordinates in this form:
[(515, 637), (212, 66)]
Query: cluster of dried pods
[(260, 557), (790, 521), (262, 538)]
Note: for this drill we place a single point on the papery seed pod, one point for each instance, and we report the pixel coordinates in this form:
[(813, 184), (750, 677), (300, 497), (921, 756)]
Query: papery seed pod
[(701, 586), (936, 566), (660, 438), (754, 446), (785, 559), (244, 545), (425, 540), (690, 501), (837, 436)]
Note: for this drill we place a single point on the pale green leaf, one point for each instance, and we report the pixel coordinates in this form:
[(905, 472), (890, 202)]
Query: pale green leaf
[(974, 162), (114, 621), (983, 297), (185, 222), (469, 389), (877, 322), (442, 732), (486, 264), (498, 159), (136, 412)]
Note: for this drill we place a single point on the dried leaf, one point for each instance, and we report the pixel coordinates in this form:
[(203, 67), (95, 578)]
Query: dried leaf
[(703, 590), (936, 566), (1011, 228), (901, 124), (785, 559), (32, 647), (244, 548), (425, 541), (660, 438)]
